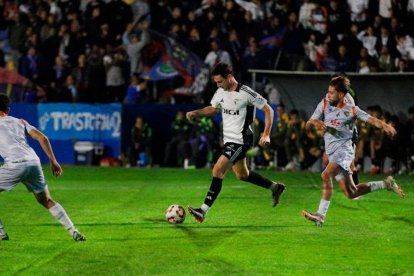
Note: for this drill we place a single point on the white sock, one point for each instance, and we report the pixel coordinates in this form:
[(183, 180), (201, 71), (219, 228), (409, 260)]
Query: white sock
[(377, 185), (205, 208), (2, 232), (59, 213), (323, 207)]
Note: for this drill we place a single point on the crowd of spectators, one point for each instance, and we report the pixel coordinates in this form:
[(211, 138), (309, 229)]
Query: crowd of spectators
[(93, 50)]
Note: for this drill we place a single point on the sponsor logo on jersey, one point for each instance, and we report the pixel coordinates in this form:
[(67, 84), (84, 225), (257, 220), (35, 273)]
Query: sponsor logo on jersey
[(230, 112)]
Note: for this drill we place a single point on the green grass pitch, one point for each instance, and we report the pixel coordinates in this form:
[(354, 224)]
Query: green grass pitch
[(121, 211)]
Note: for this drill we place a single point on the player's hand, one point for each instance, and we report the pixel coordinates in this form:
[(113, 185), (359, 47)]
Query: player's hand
[(56, 168), (390, 130), (320, 125), (190, 115), (264, 140)]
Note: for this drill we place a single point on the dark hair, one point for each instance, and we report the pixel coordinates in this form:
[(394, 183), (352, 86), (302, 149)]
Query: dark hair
[(4, 103), (411, 110), (222, 69), (340, 83)]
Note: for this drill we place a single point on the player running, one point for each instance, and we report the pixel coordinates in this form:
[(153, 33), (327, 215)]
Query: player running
[(237, 104), (21, 164), (336, 117)]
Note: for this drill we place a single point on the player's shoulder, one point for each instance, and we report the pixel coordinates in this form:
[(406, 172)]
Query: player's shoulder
[(247, 89)]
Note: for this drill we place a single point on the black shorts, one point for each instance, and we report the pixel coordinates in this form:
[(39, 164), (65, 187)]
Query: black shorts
[(235, 152)]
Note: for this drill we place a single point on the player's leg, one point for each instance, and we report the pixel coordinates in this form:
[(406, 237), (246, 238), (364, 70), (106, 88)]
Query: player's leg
[(353, 191), (219, 171), (9, 178), (3, 234), (243, 173), (327, 175), (59, 213), (35, 183)]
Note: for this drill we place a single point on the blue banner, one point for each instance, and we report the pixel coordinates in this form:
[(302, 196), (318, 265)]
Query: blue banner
[(80, 121)]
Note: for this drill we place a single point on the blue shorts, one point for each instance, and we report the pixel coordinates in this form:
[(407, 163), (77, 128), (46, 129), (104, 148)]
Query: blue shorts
[(29, 173)]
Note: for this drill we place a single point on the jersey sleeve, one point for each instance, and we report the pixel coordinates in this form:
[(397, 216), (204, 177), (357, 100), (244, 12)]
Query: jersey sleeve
[(253, 98), (26, 125), (318, 113), (215, 101), (361, 114)]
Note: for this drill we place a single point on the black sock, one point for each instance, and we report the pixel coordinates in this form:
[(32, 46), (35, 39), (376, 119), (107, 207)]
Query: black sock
[(355, 177), (258, 180), (214, 191)]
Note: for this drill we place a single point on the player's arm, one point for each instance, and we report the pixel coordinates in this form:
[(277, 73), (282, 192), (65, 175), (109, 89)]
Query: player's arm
[(206, 111), (47, 148), (269, 113), (315, 121), (389, 129)]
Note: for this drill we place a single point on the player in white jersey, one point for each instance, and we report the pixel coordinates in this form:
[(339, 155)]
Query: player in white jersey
[(237, 104), (21, 164), (339, 118), (349, 99)]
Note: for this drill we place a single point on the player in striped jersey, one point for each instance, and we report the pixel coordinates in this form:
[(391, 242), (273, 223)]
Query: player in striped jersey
[(21, 164), (338, 120), (237, 104)]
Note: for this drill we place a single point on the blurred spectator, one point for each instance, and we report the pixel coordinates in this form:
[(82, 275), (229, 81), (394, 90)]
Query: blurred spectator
[(17, 31), (343, 60), (376, 142), (120, 16), (80, 73), (338, 20), (305, 13), (139, 153), (134, 45), (385, 39), (235, 48), (115, 82), (386, 63), (352, 43), (71, 86), (325, 60), (58, 73), (278, 135), (319, 18), (369, 41), (31, 65), (254, 7), (136, 91), (217, 55), (178, 148), (294, 141), (255, 58), (359, 11), (292, 44)]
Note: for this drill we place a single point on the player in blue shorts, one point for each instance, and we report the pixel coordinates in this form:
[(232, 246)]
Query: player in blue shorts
[(237, 103)]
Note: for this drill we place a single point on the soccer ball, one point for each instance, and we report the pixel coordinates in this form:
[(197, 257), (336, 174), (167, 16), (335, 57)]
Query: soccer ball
[(175, 214)]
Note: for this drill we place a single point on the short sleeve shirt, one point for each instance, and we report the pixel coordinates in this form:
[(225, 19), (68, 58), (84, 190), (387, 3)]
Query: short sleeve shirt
[(13, 142), (237, 109)]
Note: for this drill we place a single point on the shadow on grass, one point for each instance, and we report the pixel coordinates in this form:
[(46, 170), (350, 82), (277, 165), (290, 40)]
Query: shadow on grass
[(400, 219)]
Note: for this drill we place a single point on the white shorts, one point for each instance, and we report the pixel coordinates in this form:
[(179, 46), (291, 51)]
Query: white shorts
[(343, 158), (29, 173)]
